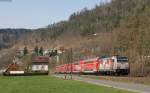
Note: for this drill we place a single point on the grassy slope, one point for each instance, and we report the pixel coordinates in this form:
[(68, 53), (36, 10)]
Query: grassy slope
[(39, 84)]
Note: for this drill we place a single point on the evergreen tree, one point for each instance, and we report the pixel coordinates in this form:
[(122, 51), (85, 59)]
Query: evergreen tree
[(36, 50), (25, 51), (41, 51)]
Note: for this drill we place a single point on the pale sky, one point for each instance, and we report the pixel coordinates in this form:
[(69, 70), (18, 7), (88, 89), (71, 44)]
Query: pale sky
[(39, 13)]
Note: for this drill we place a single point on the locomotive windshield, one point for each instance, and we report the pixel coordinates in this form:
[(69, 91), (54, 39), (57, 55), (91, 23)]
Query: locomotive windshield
[(122, 59)]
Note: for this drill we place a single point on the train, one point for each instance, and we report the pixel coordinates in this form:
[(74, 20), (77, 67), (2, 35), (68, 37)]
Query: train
[(114, 65)]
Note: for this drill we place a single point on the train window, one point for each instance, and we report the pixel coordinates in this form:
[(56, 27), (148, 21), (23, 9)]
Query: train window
[(113, 60), (88, 62), (122, 59), (76, 63)]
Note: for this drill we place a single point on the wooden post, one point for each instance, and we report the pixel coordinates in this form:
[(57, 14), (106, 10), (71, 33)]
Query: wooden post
[(65, 59), (142, 60), (71, 61)]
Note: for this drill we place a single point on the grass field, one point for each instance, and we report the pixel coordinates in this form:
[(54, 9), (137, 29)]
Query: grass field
[(45, 84)]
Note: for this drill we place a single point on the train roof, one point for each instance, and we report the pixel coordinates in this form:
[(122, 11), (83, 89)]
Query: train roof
[(116, 56), (91, 59)]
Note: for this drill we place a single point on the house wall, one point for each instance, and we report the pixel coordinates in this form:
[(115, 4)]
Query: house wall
[(39, 67)]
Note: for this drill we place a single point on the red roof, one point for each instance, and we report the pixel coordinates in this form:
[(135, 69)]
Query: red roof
[(40, 59)]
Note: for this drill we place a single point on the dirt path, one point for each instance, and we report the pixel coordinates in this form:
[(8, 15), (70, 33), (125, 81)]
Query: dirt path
[(120, 85)]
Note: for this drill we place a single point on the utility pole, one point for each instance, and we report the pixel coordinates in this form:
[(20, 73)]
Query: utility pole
[(64, 59), (142, 60), (71, 61)]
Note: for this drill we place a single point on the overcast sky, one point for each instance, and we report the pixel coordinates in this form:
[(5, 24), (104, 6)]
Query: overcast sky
[(39, 13)]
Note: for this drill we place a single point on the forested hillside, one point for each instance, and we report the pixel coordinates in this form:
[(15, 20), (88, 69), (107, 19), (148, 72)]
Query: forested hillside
[(9, 37), (118, 17), (120, 27), (126, 22)]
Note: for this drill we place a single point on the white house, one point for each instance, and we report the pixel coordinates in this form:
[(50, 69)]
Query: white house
[(40, 64)]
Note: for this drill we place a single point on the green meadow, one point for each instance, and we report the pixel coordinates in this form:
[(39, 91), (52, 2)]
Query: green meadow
[(46, 84)]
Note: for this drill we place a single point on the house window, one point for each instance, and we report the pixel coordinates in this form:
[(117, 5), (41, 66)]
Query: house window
[(37, 67), (42, 68)]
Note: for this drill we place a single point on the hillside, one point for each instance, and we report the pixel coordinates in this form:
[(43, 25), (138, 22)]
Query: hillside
[(106, 18), (120, 27), (9, 37)]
